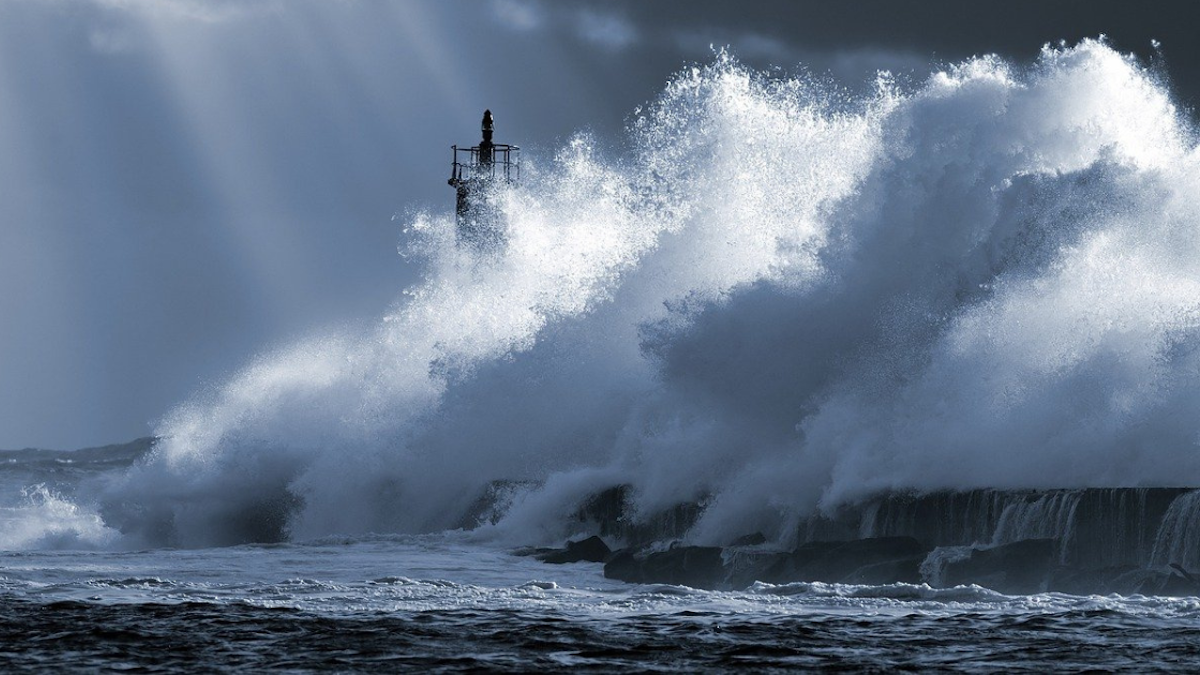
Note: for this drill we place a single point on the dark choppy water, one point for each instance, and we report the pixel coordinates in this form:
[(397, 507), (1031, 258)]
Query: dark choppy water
[(196, 635), (72, 599), (450, 603)]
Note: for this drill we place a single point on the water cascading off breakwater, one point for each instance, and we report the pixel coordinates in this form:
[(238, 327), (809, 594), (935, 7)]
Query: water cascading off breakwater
[(1087, 540), (783, 300)]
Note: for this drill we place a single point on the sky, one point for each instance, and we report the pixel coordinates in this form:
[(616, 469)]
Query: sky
[(185, 184)]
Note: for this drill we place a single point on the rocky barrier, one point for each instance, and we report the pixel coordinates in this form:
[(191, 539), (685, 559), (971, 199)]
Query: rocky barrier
[(1116, 540)]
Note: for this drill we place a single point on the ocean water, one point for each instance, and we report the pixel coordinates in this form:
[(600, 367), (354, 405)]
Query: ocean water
[(444, 601), (773, 298)]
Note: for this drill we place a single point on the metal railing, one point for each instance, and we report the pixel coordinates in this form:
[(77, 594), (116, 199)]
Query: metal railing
[(471, 163)]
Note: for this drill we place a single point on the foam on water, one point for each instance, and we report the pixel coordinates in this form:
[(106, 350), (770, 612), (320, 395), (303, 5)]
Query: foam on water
[(44, 519), (782, 297), (451, 573), (449, 601)]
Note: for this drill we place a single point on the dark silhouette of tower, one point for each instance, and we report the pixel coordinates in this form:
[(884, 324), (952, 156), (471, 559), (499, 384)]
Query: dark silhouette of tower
[(476, 173)]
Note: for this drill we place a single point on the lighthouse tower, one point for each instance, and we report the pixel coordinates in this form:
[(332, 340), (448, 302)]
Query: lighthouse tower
[(475, 175)]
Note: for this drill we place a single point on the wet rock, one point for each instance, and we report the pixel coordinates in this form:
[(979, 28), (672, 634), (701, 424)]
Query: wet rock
[(1159, 581), (493, 502), (744, 567), (1176, 585), (1020, 567), (799, 565), (534, 551), (834, 561), (899, 571), (624, 565), (608, 512), (606, 509), (695, 566), (755, 539), (592, 549), (1091, 581)]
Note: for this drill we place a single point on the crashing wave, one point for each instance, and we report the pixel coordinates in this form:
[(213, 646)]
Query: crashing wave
[(783, 300)]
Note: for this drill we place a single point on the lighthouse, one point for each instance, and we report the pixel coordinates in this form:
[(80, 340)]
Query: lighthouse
[(476, 174)]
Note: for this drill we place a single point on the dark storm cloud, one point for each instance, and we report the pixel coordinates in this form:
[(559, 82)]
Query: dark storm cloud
[(941, 30), (851, 41)]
